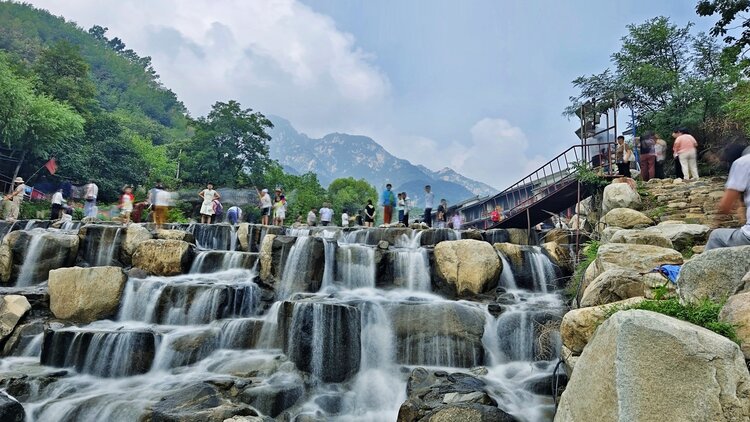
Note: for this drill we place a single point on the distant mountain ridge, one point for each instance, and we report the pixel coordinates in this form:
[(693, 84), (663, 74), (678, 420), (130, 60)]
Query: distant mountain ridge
[(342, 155)]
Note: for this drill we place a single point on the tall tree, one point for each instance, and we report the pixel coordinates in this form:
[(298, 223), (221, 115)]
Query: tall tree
[(730, 12), (350, 194), (64, 74), (229, 143)]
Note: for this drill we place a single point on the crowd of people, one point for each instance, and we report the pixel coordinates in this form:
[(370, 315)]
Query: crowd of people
[(650, 151)]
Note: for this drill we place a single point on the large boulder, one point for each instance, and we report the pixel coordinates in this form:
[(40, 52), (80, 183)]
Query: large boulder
[(427, 332), (135, 234), (85, 294), (645, 366), (559, 255), (626, 218), (175, 235), (682, 235), (714, 274), (639, 258), (620, 195), (736, 311), (612, 286), (266, 257), (641, 237), (578, 325), (559, 236), (12, 309), (10, 409), (164, 257), (468, 266)]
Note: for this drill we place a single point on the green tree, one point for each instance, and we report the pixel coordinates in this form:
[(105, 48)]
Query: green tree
[(302, 192), (351, 194), (31, 122), (63, 74), (229, 143), (729, 12)]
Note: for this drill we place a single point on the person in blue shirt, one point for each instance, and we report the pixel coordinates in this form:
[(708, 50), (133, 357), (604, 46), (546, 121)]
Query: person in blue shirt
[(388, 201)]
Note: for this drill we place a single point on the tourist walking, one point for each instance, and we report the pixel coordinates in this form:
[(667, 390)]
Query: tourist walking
[(456, 221), (127, 199), (91, 192), (686, 148), (429, 199), (388, 201), (312, 219), (661, 156), (648, 156), (265, 206), (442, 214), (369, 214), (207, 207), (326, 214), (15, 198), (344, 219), (57, 204), (234, 215), (279, 210), (160, 200), (737, 189)]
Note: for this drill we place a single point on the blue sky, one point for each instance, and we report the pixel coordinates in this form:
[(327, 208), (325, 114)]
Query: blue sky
[(478, 86)]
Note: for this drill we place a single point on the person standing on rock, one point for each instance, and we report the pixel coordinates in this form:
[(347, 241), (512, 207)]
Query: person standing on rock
[(407, 208), (369, 214), (279, 210), (429, 200), (15, 198), (312, 219), (207, 207), (326, 214), (623, 165), (265, 206), (126, 204), (661, 155), (344, 219), (442, 214), (737, 187), (400, 207), (388, 201), (160, 201), (91, 191), (686, 147), (57, 204), (648, 157)]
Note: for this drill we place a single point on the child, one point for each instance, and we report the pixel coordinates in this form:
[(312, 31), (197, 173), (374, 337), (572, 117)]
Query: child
[(126, 204), (344, 219), (279, 210)]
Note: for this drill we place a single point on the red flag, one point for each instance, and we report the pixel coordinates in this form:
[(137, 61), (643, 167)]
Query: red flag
[(51, 165)]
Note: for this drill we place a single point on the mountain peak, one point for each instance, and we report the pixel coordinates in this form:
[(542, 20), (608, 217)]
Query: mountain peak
[(339, 154)]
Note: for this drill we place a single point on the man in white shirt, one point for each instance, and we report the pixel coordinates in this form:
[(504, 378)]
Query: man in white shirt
[(429, 199), (57, 204), (738, 184), (265, 206), (326, 215), (91, 192)]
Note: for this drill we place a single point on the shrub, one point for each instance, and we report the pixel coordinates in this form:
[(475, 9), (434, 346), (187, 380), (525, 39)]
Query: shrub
[(704, 314), (590, 250)]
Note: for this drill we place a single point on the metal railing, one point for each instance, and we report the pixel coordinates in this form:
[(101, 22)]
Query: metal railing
[(550, 178)]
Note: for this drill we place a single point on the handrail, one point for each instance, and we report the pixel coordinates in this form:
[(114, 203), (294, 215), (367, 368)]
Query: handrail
[(556, 174)]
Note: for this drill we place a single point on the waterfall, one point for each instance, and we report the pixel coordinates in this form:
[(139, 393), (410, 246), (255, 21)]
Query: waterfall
[(542, 270), (507, 279), (190, 299), (411, 263), (296, 265), (269, 333), (102, 353), (214, 261), (214, 236), (101, 244), (329, 265), (33, 255), (355, 266)]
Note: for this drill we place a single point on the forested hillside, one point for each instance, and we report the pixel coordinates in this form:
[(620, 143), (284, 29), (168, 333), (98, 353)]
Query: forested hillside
[(101, 111)]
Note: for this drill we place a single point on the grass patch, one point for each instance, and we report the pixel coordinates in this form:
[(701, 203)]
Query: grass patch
[(704, 314), (590, 250)]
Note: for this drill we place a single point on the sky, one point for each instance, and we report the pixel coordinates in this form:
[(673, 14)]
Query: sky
[(476, 85)]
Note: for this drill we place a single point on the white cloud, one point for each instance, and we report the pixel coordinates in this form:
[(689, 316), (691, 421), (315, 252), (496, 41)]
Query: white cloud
[(277, 56)]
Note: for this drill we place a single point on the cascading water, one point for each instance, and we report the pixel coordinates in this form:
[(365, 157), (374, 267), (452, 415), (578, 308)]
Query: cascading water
[(339, 354), (45, 251), (33, 252)]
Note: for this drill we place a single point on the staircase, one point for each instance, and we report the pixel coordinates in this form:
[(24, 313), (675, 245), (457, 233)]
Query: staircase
[(550, 189)]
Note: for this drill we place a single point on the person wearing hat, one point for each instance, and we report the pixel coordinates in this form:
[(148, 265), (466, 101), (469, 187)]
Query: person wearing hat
[(265, 206), (16, 197)]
